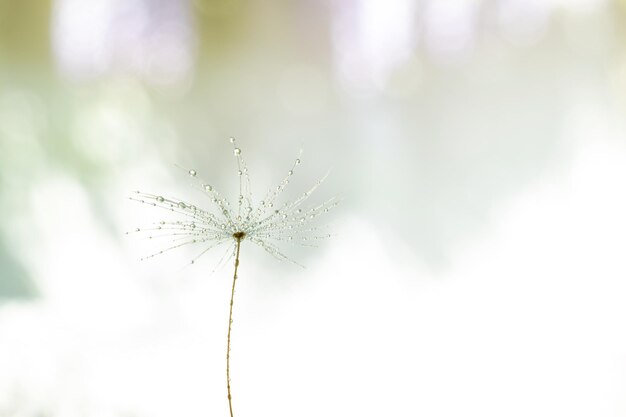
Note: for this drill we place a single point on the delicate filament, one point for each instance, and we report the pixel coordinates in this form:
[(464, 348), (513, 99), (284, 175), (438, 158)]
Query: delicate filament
[(230, 325)]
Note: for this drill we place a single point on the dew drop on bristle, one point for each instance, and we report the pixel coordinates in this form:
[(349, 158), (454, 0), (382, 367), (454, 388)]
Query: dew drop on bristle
[(237, 151), (208, 188), (160, 199), (192, 172), (182, 205)]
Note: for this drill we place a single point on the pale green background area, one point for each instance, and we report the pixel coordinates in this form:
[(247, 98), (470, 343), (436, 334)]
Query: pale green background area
[(479, 257)]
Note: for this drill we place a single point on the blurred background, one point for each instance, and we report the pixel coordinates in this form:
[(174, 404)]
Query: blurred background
[(478, 266)]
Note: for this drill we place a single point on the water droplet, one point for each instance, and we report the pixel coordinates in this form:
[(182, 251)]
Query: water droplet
[(208, 188), (192, 262), (137, 230), (192, 172), (232, 139), (290, 172), (299, 211), (160, 199), (297, 162), (162, 222), (239, 173), (182, 205), (237, 151)]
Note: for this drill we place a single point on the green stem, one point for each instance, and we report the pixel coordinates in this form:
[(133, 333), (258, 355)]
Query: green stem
[(230, 325)]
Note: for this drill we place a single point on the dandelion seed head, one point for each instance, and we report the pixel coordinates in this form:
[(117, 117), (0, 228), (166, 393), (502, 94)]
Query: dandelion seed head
[(266, 223)]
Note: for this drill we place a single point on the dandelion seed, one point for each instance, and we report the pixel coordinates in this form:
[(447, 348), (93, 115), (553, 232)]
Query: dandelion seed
[(259, 223)]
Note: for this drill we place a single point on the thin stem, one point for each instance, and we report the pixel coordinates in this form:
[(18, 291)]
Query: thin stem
[(230, 325)]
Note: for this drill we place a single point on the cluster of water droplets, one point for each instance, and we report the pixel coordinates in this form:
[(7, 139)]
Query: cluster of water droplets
[(265, 224)]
